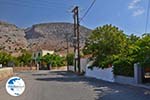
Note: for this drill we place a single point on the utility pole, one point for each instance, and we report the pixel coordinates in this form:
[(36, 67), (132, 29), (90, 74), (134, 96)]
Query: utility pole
[(76, 37), (67, 51), (74, 42)]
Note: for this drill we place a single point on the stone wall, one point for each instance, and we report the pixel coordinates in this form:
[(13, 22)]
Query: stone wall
[(17, 69), (63, 68), (5, 72)]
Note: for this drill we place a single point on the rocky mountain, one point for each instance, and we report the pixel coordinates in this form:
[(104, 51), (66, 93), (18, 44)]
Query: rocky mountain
[(12, 38), (53, 36), (48, 36)]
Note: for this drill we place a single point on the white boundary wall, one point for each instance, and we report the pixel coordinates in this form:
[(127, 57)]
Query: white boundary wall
[(107, 73), (71, 68), (103, 74), (83, 63)]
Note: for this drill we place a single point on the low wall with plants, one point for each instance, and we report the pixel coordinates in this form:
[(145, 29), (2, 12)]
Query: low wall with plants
[(62, 68), (5, 72), (123, 68), (107, 74), (17, 69), (110, 46)]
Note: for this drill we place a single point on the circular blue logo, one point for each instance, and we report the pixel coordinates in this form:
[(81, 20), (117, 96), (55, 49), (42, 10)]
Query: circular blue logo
[(15, 86)]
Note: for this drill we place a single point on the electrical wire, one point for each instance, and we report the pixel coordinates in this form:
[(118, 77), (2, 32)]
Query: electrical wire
[(82, 18), (147, 16), (92, 4)]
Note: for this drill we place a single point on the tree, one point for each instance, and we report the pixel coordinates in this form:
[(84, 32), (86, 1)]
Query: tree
[(110, 46), (5, 58), (54, 60), (70, 58), (138, 50), (25, 58), (104, 44), (144, 52)]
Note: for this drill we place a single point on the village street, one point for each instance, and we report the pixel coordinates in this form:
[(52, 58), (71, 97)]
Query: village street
[(61, 85)]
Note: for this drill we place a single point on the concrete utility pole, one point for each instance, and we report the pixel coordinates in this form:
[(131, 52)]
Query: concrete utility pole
[(76, 37)]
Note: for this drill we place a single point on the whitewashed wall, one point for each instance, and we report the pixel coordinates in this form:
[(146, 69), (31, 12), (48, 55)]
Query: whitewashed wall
[(83, 63), (71, 68), (103, 74)]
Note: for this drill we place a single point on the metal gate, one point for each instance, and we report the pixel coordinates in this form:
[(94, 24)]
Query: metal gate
[(146, 74)]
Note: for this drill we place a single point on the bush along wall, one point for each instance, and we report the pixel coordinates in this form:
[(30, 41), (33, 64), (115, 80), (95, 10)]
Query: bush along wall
[(111, 46), (54, 60), (124, 70), (70, 58)]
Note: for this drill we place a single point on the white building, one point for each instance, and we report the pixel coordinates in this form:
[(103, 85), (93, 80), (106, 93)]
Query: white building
[(41, 53)]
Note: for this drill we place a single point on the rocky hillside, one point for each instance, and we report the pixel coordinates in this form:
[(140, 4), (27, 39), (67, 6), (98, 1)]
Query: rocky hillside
[(12, 38), (52, 36), (48, 36)]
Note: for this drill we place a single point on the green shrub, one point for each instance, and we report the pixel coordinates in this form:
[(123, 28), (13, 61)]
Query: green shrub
[(111, 46), (25, 58), (54, 60), (124, 66), (70, 58)]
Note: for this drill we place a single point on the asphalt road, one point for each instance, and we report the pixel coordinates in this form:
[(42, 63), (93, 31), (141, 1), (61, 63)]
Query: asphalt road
[(48, 85)]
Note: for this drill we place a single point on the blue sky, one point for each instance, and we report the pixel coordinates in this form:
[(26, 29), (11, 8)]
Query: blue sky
[(128, 15)]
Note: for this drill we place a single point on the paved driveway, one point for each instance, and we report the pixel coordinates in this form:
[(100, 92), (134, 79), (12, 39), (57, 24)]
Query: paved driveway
[(52, 85)]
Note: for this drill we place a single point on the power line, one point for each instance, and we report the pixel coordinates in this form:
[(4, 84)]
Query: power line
[(88, 10), (147, 16)]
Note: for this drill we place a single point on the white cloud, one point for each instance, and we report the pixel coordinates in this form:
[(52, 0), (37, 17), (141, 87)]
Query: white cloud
[(135, 7), (138, 12), (133, 4)]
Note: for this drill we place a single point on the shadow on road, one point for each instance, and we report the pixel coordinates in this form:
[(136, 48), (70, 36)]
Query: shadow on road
[(39, 74), (104, 90), (64, 73)]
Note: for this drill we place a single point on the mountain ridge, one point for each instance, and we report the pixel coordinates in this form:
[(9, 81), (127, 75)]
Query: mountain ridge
[(48, 33), (48, 36)]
